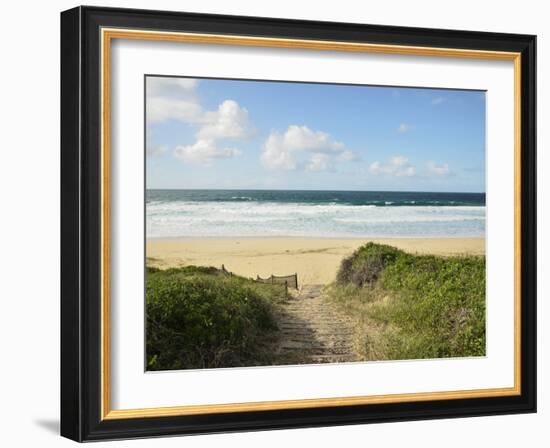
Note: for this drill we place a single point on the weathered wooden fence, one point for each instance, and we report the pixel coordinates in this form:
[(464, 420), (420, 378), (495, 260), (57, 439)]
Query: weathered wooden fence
[(289, 281), (226, 272)]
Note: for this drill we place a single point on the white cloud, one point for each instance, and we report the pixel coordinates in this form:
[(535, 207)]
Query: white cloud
[(348, 156), (228, 121), (276, 155), (438, 169), (397, 166), (404, 127), (161, 109), (203, 152), (172, 99), (303, 138), (177, 99), (438, 100), (319, 162), (166, 86), (281, 150)]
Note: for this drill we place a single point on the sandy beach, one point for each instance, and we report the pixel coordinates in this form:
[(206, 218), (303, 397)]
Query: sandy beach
[(315, 260)]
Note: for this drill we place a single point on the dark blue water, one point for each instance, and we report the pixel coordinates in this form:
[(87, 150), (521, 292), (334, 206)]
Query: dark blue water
[(378, 198)]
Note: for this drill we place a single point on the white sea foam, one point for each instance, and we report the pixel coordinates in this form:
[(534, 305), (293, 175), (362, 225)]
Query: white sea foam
[(250, 218)]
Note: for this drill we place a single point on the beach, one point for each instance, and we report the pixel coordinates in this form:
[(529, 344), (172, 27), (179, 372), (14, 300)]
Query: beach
[(282, 232), (315, 260), (320, 229)]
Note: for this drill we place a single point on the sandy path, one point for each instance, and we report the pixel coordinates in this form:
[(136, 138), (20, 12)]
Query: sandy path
[(313, 331)]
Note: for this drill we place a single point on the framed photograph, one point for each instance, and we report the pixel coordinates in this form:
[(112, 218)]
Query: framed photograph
[(274, 223)]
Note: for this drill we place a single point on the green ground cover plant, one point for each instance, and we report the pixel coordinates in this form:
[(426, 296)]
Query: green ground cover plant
[(197, 317), (411, 306)]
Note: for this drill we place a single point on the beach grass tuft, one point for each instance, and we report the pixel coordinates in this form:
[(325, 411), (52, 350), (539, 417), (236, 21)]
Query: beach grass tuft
[(411, 306)]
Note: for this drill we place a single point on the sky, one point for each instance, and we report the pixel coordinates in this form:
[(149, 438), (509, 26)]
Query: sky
[(241, 134)]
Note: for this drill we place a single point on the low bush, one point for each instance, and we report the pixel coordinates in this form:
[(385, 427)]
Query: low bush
[(366, 264), (414, 306), (199, 318)]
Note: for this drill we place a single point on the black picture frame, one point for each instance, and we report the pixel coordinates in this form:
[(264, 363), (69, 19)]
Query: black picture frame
[(81, 225)]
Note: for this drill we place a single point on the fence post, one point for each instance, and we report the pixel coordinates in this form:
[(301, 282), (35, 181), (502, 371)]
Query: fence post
[(286, 289)]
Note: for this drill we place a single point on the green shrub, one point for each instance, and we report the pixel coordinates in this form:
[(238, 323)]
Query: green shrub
[(345, 271), (366, 264), (415, 306), (199, 318)]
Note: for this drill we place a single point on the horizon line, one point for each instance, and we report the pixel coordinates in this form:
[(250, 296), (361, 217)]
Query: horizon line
[(307, 189)]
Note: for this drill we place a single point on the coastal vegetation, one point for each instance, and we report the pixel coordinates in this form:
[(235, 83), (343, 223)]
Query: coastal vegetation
[(386, 304), (199, 317), (413, 306)]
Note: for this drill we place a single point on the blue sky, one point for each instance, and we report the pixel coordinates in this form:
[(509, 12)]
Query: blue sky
[(207, 133)]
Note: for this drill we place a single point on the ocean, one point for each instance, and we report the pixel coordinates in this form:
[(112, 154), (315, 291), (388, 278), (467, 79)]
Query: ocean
[(346, 214)]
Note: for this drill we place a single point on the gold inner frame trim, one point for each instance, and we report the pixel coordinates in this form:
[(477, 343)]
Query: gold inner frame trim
[(107, 35)]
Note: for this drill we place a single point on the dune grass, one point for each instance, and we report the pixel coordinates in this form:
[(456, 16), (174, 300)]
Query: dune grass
[(199, 318), (413, 306)]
